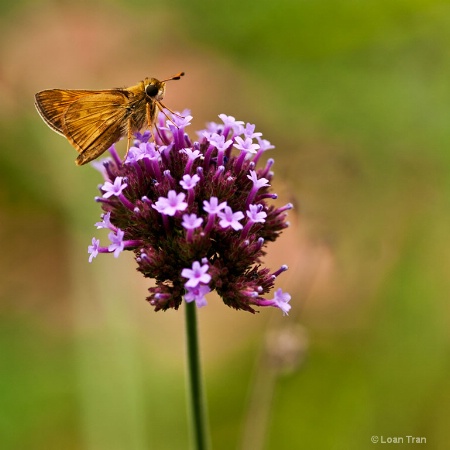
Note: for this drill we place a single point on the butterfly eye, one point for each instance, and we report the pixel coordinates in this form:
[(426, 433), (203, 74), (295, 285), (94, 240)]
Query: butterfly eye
[(151, 90)]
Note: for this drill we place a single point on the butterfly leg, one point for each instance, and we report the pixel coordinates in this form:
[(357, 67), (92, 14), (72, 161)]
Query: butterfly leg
[(163, 106), (129, 136), (152, 120)]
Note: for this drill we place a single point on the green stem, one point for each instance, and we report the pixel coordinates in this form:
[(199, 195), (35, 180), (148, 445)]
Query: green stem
[(196, 402)]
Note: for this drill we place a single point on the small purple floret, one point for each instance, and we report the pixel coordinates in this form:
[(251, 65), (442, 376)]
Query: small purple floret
[(171, 204), (115, 188), (198, 274)]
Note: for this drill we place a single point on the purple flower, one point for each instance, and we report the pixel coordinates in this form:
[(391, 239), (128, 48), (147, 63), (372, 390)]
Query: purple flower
[(249, 131), (93, 249), (106, 222), (198, 274), (117, 243), (213, 206), (246, 145), (189, 182), (171, 204), (230, 219), (255, 214), (142, 137), (210, 236), (264, 144), (191, 221), (150, 152), (115, 188), (192, 154), (231, 123), (258, 183), (181, 121), (197, 294), (281, 300), (218, 141), (135, 154), (144, 150)]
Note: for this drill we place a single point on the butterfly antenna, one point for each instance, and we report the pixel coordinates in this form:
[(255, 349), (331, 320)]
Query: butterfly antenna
[(175, 77), (161, 106)]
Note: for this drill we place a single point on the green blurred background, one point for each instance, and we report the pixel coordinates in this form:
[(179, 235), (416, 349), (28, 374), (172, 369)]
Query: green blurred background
[(355, 95)]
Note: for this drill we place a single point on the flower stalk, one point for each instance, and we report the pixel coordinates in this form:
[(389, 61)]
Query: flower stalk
[(196, 397)]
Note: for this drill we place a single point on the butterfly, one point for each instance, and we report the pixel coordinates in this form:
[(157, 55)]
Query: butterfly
[(92, 121)]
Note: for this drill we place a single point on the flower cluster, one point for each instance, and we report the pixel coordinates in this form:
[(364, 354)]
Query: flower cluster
[(195, 214)]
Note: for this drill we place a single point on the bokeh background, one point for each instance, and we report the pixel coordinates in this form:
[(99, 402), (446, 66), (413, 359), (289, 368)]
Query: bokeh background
[(355, 96)]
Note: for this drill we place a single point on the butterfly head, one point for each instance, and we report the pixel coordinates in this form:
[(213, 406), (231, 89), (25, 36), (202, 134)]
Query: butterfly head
[(155, 89)]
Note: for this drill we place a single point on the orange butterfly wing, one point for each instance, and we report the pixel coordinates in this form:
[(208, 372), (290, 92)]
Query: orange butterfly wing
[(95, 122), (53, 103)]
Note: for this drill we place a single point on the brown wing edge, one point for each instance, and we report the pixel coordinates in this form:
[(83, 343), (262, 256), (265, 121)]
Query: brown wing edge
[(51, 104), (54, 122)]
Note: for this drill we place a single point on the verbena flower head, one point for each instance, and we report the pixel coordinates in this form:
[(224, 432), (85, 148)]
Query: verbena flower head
[(197, 215)]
